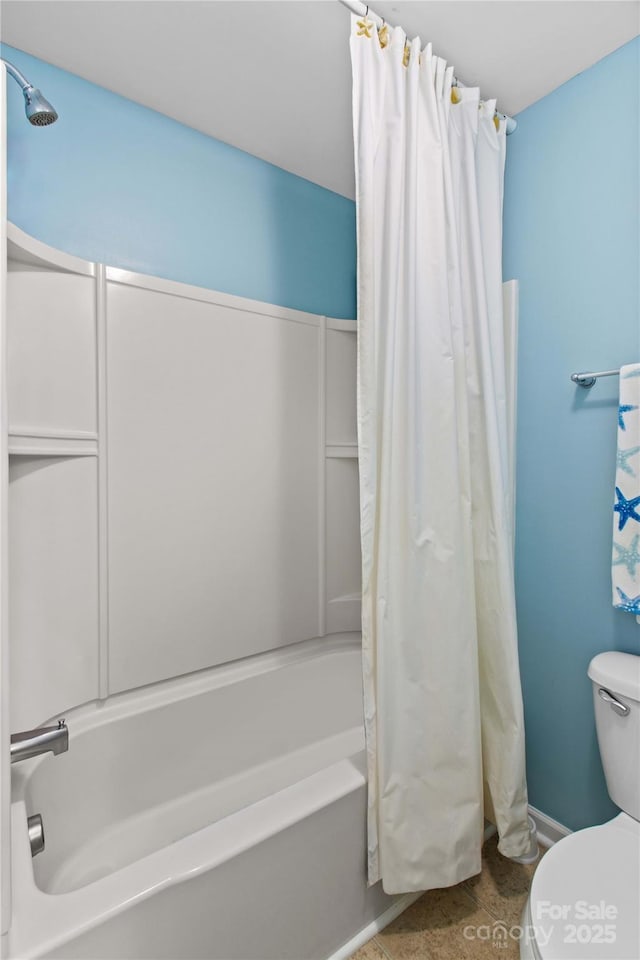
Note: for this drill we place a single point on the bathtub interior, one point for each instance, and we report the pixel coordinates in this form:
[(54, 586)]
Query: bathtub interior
[(141, 781)]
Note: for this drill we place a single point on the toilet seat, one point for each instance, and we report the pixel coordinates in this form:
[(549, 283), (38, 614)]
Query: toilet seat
[(585, 896)]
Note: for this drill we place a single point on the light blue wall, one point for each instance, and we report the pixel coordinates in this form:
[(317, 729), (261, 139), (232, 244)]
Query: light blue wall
[(114, 182), (572, 238)]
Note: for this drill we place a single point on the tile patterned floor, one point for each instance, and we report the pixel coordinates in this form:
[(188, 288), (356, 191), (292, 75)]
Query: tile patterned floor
[(433, 927)]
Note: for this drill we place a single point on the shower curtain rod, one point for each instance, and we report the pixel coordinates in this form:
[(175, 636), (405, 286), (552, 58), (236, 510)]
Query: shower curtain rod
[(362, 9)]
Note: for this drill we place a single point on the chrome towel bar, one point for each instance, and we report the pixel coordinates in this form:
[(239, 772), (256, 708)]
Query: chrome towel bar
[(588, 379)]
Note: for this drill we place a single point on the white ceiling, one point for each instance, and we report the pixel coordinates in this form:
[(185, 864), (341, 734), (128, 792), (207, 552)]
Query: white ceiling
[(274, 78)]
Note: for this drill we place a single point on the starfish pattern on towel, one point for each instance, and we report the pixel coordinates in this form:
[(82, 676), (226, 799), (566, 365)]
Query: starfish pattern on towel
[(626, 508), (622, 459), (622, 409), (630, 604), (628, 556)]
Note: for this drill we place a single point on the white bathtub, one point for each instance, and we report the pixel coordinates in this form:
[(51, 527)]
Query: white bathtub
[(221, 816)]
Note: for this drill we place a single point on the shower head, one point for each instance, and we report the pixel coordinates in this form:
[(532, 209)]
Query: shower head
[(39, 111)]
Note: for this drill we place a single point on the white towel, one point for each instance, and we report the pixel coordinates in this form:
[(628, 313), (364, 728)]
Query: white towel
[(625, 569)]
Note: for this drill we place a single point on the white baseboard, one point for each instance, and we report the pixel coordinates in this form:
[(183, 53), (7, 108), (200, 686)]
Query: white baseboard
[(549, 830), (396, 908)]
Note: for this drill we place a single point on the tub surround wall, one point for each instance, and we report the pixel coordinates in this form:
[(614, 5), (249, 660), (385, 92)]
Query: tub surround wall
[(203, 509), (572, 239), (213, 452), (117, 183)]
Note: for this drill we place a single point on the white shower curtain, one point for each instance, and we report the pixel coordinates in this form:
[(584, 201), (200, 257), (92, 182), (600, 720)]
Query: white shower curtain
[(443, 707)]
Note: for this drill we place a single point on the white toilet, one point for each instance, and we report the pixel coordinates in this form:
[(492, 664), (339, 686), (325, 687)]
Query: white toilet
[(584, 902)]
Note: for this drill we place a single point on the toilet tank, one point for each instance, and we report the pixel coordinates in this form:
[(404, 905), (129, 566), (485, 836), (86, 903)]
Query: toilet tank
[(616, 697)]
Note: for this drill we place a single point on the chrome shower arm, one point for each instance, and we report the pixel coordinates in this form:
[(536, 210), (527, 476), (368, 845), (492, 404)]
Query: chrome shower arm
[(17, 76)]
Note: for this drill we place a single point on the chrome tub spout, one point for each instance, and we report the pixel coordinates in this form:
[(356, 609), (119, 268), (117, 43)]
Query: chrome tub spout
[(31, 743)]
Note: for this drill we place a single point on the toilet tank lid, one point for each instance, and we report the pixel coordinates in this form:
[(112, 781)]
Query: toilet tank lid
[(618, 672)]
